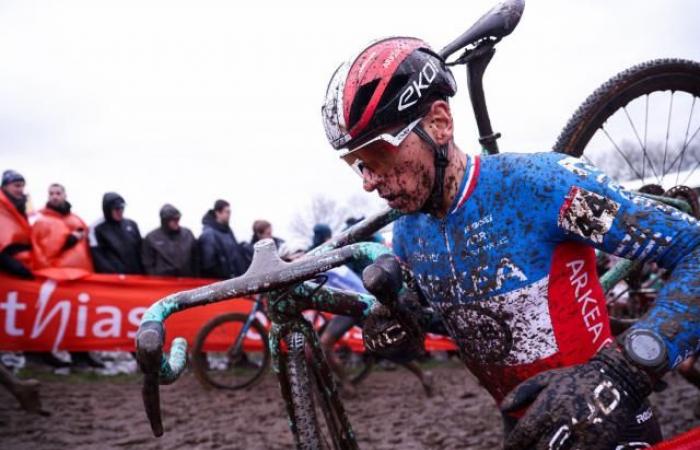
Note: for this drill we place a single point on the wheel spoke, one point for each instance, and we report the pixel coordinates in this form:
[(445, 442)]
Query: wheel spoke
[(646, 128), (645, 155), (621, 152), (693, 169), (685, 141), (668, 131)]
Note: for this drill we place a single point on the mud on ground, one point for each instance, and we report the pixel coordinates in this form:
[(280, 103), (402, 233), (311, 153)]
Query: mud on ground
[(390, 411)]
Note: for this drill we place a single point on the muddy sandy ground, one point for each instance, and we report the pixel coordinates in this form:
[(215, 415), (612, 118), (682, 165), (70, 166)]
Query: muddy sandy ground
[(389, 411)]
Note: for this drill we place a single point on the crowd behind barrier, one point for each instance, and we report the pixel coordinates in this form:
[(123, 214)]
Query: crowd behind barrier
[(55, 237), (52, 256)]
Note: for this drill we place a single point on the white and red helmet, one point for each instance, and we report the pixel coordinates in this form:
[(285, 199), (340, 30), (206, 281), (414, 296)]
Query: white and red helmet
[(391, 82)]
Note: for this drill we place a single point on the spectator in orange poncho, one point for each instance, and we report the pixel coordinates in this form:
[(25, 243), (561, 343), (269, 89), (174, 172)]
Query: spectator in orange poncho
[(59, 237), (15, 233)]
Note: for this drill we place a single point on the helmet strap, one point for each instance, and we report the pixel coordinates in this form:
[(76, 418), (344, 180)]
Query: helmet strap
[(434, 202)]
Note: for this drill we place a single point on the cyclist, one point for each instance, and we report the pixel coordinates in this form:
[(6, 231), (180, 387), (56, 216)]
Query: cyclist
[(502, 248)]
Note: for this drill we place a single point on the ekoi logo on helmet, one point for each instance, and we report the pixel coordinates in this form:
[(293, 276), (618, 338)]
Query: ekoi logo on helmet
[(413, 92)]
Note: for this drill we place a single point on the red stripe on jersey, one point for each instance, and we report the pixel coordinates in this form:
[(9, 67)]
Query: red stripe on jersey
[(471, 182)]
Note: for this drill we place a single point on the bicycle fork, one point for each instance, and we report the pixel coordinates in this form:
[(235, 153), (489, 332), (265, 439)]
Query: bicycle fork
[(296, 336)]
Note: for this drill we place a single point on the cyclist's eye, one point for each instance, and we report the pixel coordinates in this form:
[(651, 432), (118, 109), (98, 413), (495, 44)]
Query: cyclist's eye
[(360, 167)]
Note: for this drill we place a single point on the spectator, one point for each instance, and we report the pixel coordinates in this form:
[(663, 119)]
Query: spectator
[(115, 242), (322, 233), (15, 234), (59, 237), (170, 250), (221, 254), (262, 229)]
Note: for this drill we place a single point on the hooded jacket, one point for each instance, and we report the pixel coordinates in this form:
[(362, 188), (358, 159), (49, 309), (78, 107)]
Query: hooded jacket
[(115, 246), (15, 237), (53, 242), (221, 255), (170, 253)]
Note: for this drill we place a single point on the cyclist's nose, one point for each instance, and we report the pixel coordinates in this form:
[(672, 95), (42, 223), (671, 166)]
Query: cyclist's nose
[(370, 180)]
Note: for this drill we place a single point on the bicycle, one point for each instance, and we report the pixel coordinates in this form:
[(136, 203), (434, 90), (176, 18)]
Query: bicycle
[(307, 383), (238, 354)]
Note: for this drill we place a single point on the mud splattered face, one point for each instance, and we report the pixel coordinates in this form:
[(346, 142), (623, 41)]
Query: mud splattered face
[(402, 175)]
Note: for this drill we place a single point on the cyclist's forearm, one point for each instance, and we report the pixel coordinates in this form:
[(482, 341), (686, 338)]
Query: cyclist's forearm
[(675, 315)]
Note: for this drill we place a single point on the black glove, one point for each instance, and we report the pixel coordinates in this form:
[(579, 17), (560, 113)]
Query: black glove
[(582, 407), (392, 329)]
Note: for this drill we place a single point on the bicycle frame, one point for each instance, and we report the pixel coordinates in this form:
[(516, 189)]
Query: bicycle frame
[(238, 343)]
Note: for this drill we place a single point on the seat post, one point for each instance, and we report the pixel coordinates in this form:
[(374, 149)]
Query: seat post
[(476, 67)]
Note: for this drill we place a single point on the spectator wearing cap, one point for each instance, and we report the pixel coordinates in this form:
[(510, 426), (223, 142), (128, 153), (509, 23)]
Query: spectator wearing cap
[(221, 256), (16, 256), (59, 237), (170, 250), (115, 241)]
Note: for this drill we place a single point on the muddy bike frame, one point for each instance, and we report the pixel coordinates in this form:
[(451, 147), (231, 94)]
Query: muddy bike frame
[(289, 294)]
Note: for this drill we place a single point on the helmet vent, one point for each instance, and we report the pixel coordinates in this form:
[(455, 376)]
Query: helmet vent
[(359, 103)]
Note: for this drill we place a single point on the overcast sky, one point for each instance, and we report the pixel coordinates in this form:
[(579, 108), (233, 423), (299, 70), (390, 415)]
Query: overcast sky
[(186, 102)]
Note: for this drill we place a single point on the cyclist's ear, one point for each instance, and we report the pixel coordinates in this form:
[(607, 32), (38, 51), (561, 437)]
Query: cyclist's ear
[(438, 122)]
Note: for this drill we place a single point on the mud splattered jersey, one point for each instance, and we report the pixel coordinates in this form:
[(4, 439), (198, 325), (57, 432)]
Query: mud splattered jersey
[(511, 269)]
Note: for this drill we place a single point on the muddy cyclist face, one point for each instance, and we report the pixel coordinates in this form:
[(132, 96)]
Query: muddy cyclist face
[(402, 175)]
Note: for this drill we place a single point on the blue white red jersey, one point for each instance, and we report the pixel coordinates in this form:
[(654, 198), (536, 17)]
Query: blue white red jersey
[(511, 269)]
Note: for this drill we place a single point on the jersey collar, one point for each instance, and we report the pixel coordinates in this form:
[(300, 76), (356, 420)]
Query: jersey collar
[(468, 184)]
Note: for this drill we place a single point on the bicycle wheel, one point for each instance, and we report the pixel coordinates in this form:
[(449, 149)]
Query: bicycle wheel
[(641, 127), (218, 363), (304, 396)]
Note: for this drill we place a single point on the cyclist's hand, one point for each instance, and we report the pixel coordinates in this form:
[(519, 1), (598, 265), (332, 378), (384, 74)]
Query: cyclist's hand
[(585, 406), (391, 330), (385, 336)]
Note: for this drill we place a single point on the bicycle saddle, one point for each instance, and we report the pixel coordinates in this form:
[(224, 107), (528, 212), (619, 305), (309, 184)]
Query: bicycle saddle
[(497, 23)]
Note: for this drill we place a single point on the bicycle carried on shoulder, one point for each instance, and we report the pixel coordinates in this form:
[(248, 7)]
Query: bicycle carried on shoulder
[(305, 379)]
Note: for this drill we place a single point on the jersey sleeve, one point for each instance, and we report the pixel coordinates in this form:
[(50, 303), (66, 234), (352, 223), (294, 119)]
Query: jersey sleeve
[(585, 205)]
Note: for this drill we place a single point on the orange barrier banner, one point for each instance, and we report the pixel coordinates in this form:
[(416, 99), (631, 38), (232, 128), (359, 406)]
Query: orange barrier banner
[(94, 312), (79, 311)]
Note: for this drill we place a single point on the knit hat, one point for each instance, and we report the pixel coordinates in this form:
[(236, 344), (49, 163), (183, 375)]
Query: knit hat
[(10, 176), (168, 212)]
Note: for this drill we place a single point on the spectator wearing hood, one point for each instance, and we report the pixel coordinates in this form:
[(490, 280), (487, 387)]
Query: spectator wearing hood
[(170, 250), (221, 255), (59, 237), (115, 241), (15, 233), (322, 233)]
